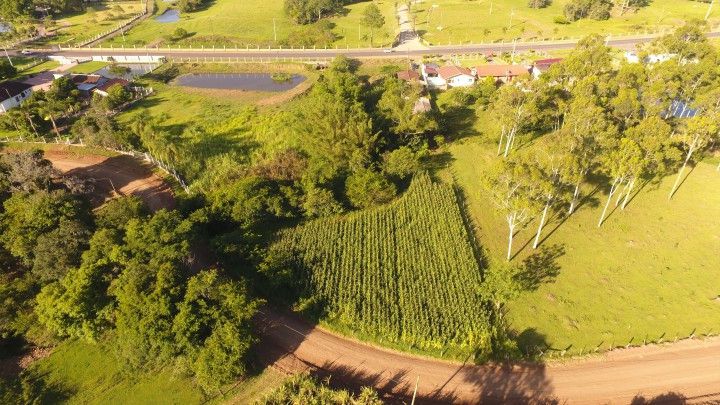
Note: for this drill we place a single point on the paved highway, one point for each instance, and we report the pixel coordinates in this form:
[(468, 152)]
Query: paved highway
[(623, 43)]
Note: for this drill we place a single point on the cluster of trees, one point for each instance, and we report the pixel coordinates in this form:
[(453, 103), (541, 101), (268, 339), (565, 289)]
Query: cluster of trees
[(45, 112), (191, 5), (310, 11), (7, 71), (12, 10), (627, 126), (117, 273), (594, 9), (539, 3)]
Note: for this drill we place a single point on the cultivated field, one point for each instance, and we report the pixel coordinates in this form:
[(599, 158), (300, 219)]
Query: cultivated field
[(649, 273), (404, 275), (254, 23), (477, 21)]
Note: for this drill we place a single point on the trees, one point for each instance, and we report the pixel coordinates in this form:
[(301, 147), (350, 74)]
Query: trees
[(304, 389), (7, 70), (513, 107), (539, 3), (698, 134), (367, 187), (513, 192), (309, 11), (620, 162), (373, 19), (397, 106), (213, 329), (594, 9)]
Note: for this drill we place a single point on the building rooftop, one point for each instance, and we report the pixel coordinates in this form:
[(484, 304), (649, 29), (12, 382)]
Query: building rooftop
[(408, 75), (448, 72), (501, 70), (11, 89)]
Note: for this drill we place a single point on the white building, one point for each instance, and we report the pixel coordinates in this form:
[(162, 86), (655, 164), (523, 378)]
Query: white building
[(13, 94), (431, 76), (457, 76)]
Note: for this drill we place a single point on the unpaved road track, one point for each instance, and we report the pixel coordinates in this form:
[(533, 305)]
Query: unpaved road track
[(687, 371)]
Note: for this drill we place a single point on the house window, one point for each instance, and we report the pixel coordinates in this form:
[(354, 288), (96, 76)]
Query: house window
[(17, 99)]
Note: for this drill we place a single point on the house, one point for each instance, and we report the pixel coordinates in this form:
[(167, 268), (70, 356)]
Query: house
[(651, 59), (456, 76), (541, 66), (105, 87), (13, 94), (87, 83), (431, 76), (501, 73), (408, 75)]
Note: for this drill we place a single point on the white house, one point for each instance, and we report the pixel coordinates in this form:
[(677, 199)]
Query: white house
[(431, 76), (13, 94), (457, 76)]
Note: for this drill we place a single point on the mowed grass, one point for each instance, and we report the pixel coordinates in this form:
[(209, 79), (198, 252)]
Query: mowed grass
[(87, 67), (82, 373), (98, 18), (649, 273), (492, 20), (249, 23)]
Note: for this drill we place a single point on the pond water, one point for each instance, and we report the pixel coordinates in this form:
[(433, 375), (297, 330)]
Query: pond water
[(168, 16), (239, 81), (5, 27), (136, 70)]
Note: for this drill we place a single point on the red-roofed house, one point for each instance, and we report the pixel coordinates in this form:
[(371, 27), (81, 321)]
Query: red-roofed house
[(503, 73), (103, 88), (541, 66), (456, 76), (408, 75)]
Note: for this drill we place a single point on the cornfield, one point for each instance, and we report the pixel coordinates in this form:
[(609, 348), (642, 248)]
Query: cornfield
[(404, 273)]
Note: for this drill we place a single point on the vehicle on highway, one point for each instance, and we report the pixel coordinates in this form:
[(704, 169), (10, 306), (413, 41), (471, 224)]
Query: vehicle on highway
[(26, 52)]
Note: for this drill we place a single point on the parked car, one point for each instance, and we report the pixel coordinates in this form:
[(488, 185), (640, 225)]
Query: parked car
[(26, 52)]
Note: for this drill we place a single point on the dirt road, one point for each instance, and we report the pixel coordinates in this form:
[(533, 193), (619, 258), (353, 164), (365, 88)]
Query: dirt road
[(118, 175), (687, 371)]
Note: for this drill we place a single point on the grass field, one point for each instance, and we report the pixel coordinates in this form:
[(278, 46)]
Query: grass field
[(492, 20), (81, 373), (87, 67), (649, 273), (98, 18), (254, 23)]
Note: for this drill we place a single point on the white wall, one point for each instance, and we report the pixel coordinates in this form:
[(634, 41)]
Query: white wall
[(130, 59), (461, 81)]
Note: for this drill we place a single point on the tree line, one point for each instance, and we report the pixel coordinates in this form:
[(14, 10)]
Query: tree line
[(119, 274), (586, 119)]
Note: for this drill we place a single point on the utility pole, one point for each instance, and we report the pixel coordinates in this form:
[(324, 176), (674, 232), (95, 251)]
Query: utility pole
[(274, 30), (491, 6), (707, 15)]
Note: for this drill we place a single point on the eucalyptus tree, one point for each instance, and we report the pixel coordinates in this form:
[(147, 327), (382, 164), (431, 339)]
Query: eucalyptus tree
[(654, 138), (551, 161), (512, 189), (513, 107), (620, 161), (698, 134)]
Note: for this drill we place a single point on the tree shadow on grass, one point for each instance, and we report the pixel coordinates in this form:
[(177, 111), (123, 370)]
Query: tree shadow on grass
[(540, 268)]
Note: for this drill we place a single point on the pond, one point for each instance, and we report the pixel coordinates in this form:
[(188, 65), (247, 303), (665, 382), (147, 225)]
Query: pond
[(168, 16), (136, 70), (239, 81), (5, 27)]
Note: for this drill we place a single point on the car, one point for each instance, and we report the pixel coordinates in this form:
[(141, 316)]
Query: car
[(389, 50), (26, 52)]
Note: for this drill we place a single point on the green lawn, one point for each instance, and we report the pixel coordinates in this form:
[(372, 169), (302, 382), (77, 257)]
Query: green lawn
[(81, 373), (649, 272), (87, 67), (492, 20), (47, 65), (98, 18), (251, 23)]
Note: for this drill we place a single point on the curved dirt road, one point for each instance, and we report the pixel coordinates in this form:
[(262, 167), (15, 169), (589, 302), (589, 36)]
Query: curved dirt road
[(687, 371)]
